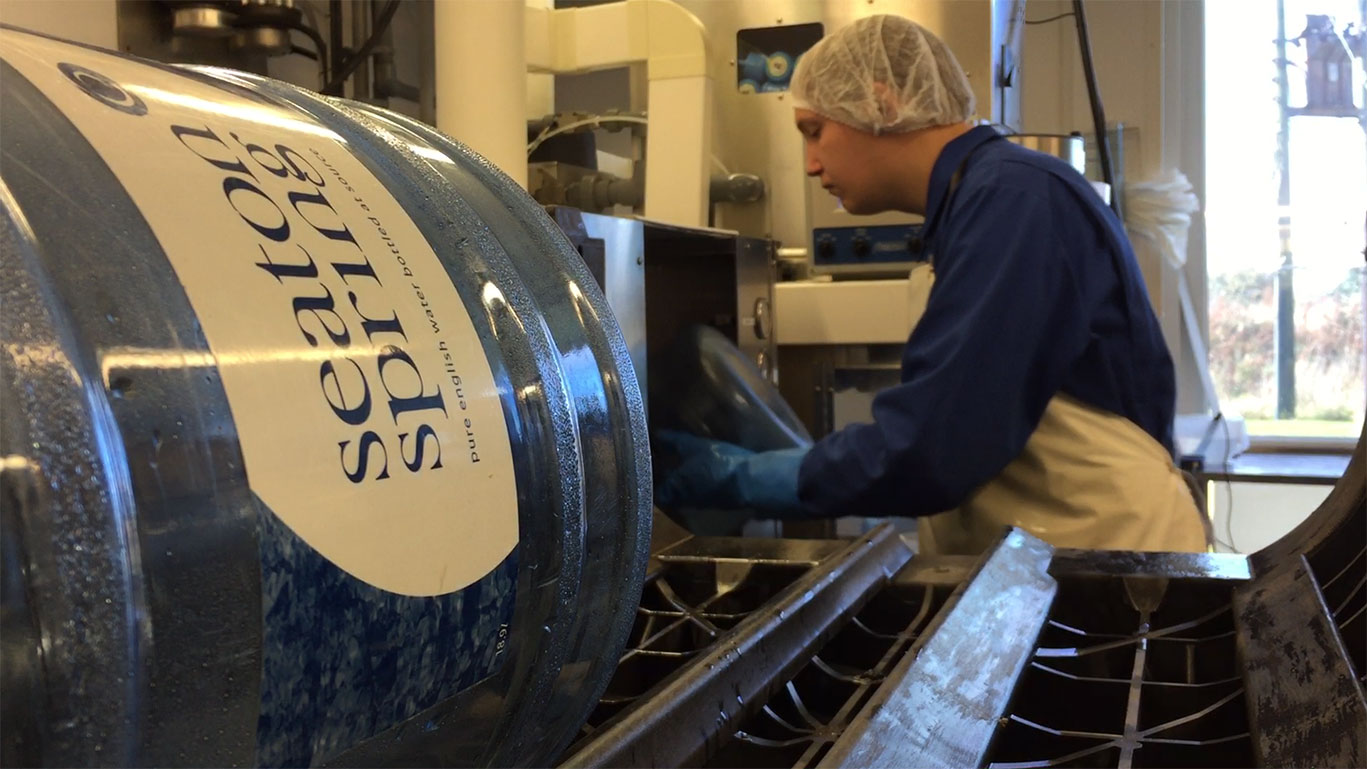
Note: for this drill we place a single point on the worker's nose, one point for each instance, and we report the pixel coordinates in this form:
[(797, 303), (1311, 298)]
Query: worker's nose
[(813, 165)]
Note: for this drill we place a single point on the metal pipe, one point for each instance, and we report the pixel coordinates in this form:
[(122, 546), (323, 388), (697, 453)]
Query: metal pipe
[(735, 188), (1286, 295), (481, 76), (335, 42), (362, 21), (386, 80)]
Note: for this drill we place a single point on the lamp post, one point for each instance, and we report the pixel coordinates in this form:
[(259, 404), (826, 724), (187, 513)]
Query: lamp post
[(1286, 298)]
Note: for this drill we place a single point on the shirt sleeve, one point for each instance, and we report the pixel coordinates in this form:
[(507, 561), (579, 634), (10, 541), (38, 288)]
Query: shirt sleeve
[(1005, 320)]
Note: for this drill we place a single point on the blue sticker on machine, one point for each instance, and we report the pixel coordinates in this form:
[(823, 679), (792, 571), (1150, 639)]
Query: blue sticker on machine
[(343, 660)]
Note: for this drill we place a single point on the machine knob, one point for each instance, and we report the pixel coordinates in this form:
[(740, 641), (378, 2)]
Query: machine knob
[(861, 246), (762, 362), (761, 318), (825, 247)]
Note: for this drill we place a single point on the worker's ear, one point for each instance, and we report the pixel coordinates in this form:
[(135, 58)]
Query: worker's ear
[(887, 102)]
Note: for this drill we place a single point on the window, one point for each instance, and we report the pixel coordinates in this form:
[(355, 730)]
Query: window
[(1286, 213)]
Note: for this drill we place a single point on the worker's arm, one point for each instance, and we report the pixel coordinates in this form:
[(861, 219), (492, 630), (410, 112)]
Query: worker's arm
[(1004, 323)]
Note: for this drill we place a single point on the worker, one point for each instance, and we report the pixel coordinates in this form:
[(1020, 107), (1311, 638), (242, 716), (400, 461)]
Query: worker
[(1036, 388)]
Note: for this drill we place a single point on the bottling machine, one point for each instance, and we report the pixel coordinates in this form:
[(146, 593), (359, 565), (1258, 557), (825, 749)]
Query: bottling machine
[(188, 578)]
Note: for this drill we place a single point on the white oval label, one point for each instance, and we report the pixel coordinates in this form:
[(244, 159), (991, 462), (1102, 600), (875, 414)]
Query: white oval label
[(367, 414)]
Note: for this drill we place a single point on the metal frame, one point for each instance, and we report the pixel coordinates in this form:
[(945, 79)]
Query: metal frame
[(733, 677), (1038, 657)]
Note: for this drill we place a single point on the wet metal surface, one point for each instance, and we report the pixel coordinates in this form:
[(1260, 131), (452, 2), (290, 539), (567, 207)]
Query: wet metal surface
[(1130, 671), (695, 708), (797, 726), (1132, 563), (941, 707), (950, 570), (751, 550)]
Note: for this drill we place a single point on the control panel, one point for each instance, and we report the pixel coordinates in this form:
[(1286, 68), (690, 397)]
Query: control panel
[(845, 245), (877, 246)]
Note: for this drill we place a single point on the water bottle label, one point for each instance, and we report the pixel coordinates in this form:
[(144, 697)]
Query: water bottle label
[(368, 417)]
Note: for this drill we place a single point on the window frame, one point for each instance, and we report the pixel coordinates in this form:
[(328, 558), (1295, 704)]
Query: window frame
[(1183, 146)]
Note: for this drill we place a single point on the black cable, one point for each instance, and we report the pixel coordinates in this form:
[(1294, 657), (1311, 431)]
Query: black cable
[(1098, 112), (319, 45), (335, 37), (340, 75), (302, 51), (1051, 18), (1228, 542)]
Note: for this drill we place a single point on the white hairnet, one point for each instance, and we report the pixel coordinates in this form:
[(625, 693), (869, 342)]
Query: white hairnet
[(922, 81)]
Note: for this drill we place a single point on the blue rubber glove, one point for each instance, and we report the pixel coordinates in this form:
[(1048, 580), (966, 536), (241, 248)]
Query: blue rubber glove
[(720, 475)]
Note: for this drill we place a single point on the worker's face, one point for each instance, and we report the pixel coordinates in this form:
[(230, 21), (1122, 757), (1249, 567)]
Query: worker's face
[(846, 160)]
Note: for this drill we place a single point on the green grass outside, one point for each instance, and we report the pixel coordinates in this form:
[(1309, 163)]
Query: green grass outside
[(1303, 428)]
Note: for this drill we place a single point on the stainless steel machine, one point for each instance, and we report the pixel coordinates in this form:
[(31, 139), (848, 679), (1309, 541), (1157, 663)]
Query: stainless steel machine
[(660, 279), (855, 652), (172, 592)]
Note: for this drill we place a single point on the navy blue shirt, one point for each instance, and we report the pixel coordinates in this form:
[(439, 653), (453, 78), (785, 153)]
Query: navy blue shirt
[(1036, 292)]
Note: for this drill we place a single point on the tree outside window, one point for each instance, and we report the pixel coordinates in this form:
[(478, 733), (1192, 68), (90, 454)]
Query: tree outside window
[(1286, 212)]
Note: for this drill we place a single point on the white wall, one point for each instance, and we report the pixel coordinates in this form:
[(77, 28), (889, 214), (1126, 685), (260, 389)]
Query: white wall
[(1250, 516), (1127, 50), (1147, 57), (85, 21)]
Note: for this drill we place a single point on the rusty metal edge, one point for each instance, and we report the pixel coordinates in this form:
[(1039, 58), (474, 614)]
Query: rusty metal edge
[(1305, 707)]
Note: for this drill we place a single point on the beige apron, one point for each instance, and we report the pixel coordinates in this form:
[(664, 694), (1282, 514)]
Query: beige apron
[(1087, 478)]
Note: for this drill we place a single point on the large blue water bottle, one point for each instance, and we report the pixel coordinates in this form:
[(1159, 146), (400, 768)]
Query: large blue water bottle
[(319, 442)]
